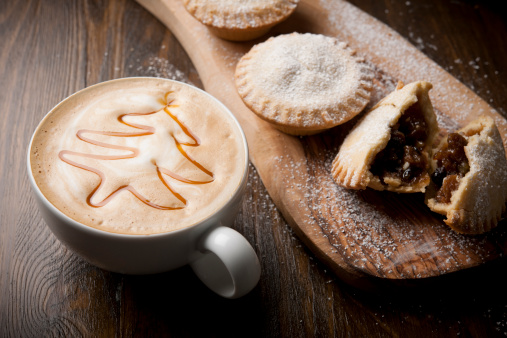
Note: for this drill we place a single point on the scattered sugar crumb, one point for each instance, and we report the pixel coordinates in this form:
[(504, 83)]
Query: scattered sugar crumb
[(161, 67)]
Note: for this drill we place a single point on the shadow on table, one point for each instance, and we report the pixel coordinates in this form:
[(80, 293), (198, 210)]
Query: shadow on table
[(177, 303), (463, 302)]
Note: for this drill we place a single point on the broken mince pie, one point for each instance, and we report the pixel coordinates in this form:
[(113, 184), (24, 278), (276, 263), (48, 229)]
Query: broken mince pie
[(469, 178), (389, 147)]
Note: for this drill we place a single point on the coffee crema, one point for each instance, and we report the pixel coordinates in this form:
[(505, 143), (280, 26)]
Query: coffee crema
[(138, 156)]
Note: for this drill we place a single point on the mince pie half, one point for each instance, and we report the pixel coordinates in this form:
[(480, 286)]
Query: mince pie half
[(469, 178), (389, 147)]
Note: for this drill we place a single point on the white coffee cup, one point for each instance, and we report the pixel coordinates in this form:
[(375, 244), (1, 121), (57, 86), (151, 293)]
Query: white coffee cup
[(221, 257)]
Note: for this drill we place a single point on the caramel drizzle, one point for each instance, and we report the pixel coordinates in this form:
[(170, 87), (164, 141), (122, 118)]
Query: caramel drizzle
[(134, 152)]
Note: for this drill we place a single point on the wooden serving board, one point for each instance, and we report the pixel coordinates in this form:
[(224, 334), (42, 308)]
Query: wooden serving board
[(366, 235)]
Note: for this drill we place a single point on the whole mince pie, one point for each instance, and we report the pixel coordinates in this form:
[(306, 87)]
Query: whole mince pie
[(469, 178), (389, 147), (240, 20), (303, 84)]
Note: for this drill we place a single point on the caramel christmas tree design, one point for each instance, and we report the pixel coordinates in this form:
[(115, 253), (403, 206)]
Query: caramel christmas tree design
[(134, 158)]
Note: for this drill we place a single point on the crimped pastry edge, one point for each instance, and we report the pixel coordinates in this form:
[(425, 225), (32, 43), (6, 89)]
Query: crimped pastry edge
[(327, 116)]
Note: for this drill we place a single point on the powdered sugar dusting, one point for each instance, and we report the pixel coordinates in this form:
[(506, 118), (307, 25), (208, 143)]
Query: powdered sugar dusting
[(384, 83), (242, 14), (161, 67), (304, 80), (406, 63), (379, 233), (384, 234), (230, 53)]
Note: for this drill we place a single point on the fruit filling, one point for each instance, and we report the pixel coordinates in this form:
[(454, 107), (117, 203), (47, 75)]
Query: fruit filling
[(452, 165), (402, 158)]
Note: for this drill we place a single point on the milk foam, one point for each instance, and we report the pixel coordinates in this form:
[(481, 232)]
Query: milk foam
[(192, 181)]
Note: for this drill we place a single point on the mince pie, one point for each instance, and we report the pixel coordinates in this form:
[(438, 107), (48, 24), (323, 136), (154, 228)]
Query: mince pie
[(240, 20), (389, 147), (469, 178), (303, 83)]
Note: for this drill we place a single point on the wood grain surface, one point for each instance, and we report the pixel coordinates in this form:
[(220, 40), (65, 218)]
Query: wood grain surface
[(365, 237), (51, 49)]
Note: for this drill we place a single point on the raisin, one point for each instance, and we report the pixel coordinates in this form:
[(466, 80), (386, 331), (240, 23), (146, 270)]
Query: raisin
[(438, 176), (405, 146), (407, 175), (449, 185), (452, 164)]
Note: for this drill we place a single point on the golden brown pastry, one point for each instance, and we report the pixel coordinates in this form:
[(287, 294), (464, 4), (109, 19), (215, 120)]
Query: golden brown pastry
[(303, 83), (389, 147), (240, 20), (469, 178)]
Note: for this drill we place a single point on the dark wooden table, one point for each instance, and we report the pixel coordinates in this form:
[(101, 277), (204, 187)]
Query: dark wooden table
[(50, 49)]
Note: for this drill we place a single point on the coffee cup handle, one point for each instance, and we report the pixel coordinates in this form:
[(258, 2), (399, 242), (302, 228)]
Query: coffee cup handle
[(229, 265)]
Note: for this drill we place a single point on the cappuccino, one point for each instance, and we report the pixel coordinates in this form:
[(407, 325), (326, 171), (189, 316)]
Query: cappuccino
[(138, 156)]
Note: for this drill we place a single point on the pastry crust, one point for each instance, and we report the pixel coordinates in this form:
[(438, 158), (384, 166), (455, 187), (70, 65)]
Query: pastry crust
[(303, 83), (240, 20), (351, 167), (477, 204)]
